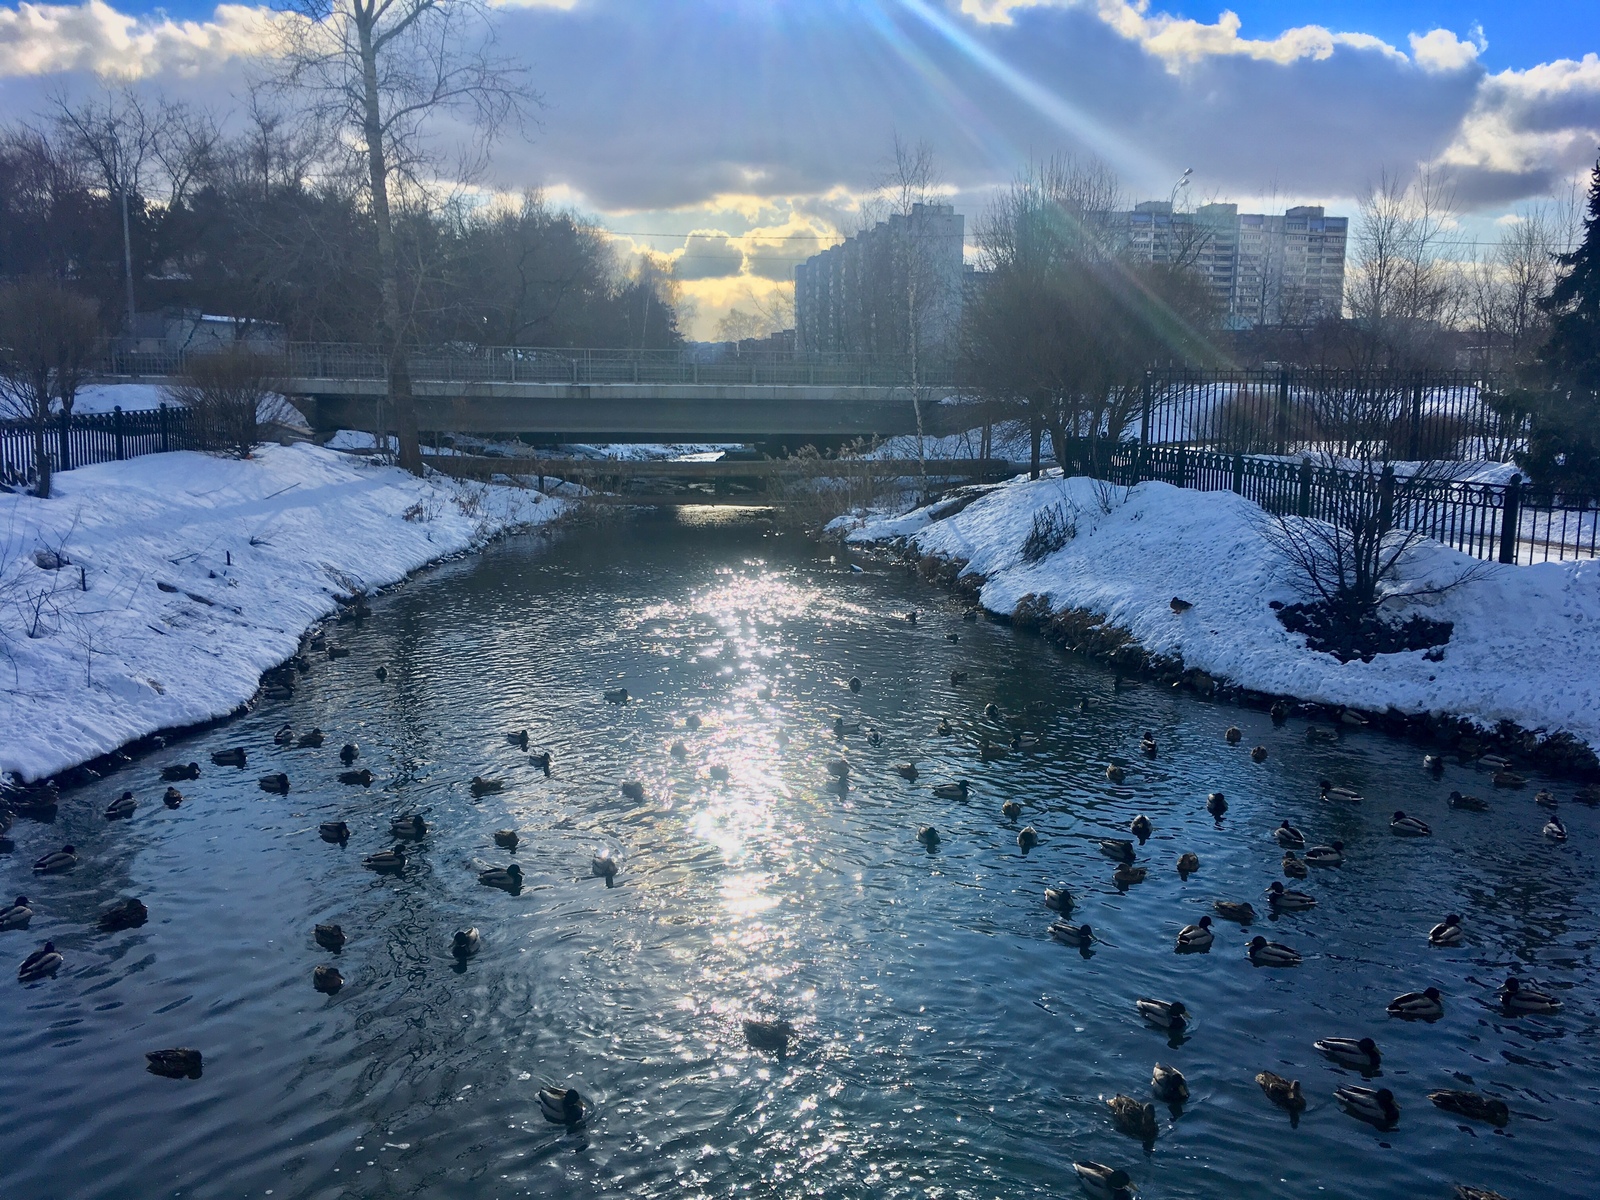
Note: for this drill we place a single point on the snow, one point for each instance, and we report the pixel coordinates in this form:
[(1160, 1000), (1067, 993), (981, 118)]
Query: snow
[(132, 397), (1524, 648), (126, 658)]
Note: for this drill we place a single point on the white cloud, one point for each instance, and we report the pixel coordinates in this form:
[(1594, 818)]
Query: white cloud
[(1441, 50), (43, 39), (1544, 120)]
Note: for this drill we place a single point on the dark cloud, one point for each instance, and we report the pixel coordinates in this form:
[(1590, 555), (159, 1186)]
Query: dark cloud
[(708, 257)]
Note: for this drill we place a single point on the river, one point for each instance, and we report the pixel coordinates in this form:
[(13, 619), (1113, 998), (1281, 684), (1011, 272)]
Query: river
[(947, 1046)]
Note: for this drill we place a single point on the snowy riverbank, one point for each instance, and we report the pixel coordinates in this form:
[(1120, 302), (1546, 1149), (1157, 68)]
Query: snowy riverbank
[(1524, 647), (201, 573)]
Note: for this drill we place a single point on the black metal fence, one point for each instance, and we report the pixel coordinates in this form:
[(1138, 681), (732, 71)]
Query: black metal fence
[(87, 438)]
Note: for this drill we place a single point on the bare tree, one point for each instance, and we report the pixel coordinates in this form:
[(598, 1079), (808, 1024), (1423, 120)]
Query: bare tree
[(48, 336), (379, 74), (224, 390)]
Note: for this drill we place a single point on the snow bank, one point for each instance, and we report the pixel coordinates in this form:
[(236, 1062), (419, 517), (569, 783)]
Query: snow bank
[(1525, 643), (170, 632)]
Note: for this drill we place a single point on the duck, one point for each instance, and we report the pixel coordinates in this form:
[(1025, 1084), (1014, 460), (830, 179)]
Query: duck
[(1263, 953), (485, 787), (277, 783), (506, 839), (1544, 799), (1515, 998), (1216, 804), (466, 942), (944, 728), (541, 761), (172, 797), (1316, 733), (839, 768), (1505, 778), (232, 757), (17, 915), (1408, 826), (1137, 1120), (390, 862), (130, 914), (410, 825), (1117, 848), (507, 878), (1285, 1093), (1024, 742), (768, 1033), (1360, 1053), (959, 790), (1070, 934), (1426, 1005), (56, 861), (563, 1106), (329, 937), (1475, 1106), (310, 741), (633, 790), (1342, 794), (692, 722), (1285, 900), (326, 979), (1188, 863), (1467, 1192), (178, 773), (1163, 1014), (991, 710), (1433, 764), (1554, 830), (122, 807), (1376, 1107), (1011, 810), (988, 751), (178, 1062), (361, 778), (334, 831), (929, 837), (678, 750), (616, 695), (349, 752), (911, 617), (1294, 868), (1258, 754), (1148, 744), (1168, 1084), (1103, 1182), (952, 636), (603, 866), (906, 771), (1287, 836), (1126, 875), (1447, 932), (718, 773), (1279, 712), (1056, 899), (44, 961), (1140, 827), (1468, 803), (1233, 735), (1115, 773), (874, 738), (841, 727), (1197, 937), (1027, 838), (284, 736), (1235, 910), (958, 677), (338, 652), (855, 684), (519, 739), (1331, 855), (1179, 606)]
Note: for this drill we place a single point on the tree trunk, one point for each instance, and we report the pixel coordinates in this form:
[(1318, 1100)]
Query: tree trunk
[(1035, 436), (405, 411)]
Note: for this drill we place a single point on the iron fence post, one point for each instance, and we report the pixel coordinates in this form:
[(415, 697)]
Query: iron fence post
[(65, 439), (116, 429), (1414, 450), (1511, 520), (161, 416), (1182, 467), (1238, 474), (1386, 499), (1304, 505), (1144, 412), (1282, 421)]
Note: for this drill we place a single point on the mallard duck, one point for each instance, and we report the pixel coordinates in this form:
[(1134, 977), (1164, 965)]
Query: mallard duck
[(1544, 799), (1376, 1107), (1515, 998), (958, 677), (991, 710), (988, 751), (1196, 937), (506, 839), (1343, 794), (855, 684), (1137, 1120), (178, 773), (1057, 899), (277, 783), (1447, 932), (1024, 742), (1216, 804), (1317, 733), (944, 728), (233, 757), (1468, 803), (329, 937), (1233, 734), (284, 736), (1475, 1106), (678, 750), (1011, 810), (692, 722), (1433, 764), (507, 878), (1126, 875), (56, 861), (1506, 778), (121, 808), (16, 916), (770, 1034), (44, 961), (1027, 838), (1117, 848), (718, 773), (929, 837), (874, 738), (361, 778), (1331, 855), (310, 741), (1168, 1084), (1287, 836), (1115, 773), (1163, 1014), (633, 790), (906, 771), (326, 979), (179, 1062), (390, 862), (1258, 754), (911, 617), (349, 752), (959, 790), (1179, 606), (1284, 900), (1465, 1192), (1408, 826), (466, 942), (485, 787), (334, 831), (172, 797), (335, 652), (603, 866), (1285, 1093), (1272, 954), (519, 739), (952, 636), (843, 728), (541, 761), (1294, 868), (840, 769), (1360, 1053), (563, 1106), (1070, 934), (1555, 830), (1148, 744), (1426, 1005), (410, 825), (1103, 1182), (1140, 827), (130, 914), (1188, 863), (1279, 712), (616, 695), (1235, 910)]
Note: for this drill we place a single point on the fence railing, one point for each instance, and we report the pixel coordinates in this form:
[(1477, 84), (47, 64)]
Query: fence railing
[(87, 438)]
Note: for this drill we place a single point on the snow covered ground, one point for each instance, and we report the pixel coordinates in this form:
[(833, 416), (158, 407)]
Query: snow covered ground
[(201, 574), (1525, 645), (132, 397)]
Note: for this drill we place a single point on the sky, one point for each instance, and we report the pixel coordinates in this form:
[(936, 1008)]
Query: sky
[(737, 136)]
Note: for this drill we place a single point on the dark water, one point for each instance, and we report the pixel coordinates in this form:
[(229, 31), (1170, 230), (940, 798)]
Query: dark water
[(948, 1047)]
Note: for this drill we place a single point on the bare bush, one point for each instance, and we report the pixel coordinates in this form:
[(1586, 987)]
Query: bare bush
[(224, 391), (1253, 421), (48, 336), (1053, 527)]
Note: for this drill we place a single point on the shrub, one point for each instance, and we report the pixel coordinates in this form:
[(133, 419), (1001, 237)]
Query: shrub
[(224, 391), (1053, 527)]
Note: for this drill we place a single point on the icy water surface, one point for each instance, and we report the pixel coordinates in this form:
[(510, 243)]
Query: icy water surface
[(948, 1047)]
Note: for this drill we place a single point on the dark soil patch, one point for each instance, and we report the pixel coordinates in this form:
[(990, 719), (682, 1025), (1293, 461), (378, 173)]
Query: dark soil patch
[(1330, 633)]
